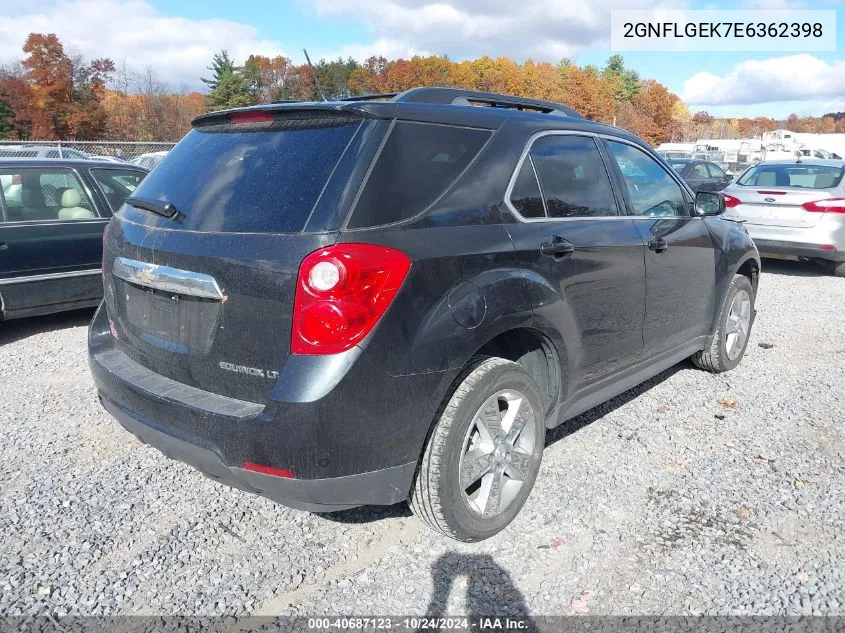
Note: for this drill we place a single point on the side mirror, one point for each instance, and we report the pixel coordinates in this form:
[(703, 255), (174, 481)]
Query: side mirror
[(729, 178), (709, 203)]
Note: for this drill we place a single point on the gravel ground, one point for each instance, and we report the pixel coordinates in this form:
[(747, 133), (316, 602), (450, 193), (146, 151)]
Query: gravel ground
[(691, 494)]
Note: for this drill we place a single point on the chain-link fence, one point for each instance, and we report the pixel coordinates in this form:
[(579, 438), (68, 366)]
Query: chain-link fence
[(132, 151)]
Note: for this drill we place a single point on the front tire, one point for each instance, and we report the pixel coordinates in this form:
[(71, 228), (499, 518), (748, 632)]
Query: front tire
[(733, 330), (483, 455)]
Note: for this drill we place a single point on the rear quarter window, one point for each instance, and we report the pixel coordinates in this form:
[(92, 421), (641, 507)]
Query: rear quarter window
[(418, 162)]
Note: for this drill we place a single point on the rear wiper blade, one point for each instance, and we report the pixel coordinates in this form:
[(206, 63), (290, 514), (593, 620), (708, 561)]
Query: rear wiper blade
[(164, 209)]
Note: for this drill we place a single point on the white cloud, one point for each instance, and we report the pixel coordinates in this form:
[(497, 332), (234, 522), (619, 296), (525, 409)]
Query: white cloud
[(789, 78), (178, 49), (384, 47), (468, 28)]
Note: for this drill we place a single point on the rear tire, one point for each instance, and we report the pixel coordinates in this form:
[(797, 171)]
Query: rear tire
[(483, 454), (732, 331)]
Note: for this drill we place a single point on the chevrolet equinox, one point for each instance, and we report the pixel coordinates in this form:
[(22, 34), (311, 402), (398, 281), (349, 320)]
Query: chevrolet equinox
[(392, 298)]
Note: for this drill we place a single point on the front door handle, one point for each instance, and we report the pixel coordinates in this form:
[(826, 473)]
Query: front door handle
[(557, 248), (3, 246), (659, 245)]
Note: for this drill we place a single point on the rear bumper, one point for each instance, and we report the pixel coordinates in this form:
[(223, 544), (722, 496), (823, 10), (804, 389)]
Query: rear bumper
[(356, 445), (797, 249), (813, 242), (380, 487)]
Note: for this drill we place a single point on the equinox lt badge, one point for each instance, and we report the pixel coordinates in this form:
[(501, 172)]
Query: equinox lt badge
[(252, 371)]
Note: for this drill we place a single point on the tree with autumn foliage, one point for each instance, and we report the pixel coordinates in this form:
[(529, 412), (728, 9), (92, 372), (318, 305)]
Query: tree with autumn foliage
[(51, 95)]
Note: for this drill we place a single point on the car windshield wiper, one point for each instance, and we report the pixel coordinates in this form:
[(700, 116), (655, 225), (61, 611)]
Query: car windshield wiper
[(164, 209)]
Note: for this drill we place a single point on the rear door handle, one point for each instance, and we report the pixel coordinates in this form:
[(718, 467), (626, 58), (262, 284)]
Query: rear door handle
[(3, 246), (557, 248), (659, 245)]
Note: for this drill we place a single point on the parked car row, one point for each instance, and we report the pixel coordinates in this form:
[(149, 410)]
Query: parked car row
[(147, 160)]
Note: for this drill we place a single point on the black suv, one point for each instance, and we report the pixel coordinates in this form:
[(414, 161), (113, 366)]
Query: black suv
[(390, 298)]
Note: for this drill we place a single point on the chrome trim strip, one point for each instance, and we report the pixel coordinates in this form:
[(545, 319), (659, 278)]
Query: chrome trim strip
[(8, 281), (168, 279)]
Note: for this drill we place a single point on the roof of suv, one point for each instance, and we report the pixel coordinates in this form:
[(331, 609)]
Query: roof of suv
[(461, 107)]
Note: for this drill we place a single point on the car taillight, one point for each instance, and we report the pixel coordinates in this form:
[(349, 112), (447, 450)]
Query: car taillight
[(341, 293), (828, 205), (731, 201)]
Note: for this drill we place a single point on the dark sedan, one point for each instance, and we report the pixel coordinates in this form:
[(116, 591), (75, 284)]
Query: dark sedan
[(700, 175), (52, 216)]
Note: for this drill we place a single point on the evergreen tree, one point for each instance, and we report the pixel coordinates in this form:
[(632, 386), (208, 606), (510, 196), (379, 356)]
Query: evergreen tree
[(7, 117), (229, 88), (626, 81)]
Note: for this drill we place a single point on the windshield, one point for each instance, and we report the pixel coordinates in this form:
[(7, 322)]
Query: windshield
[(793, 175)]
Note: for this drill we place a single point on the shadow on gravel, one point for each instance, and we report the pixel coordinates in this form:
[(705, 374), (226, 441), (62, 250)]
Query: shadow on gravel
[(367, 514), (490, 590), (17, 329), (794, 269), (588, 417)]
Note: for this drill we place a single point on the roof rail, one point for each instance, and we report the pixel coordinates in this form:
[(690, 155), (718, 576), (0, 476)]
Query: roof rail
[(458, 96), (386, 96)]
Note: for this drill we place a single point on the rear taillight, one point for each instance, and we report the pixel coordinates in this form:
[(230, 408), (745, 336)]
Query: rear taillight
[(341, 293), (828, 205), (731, 201)]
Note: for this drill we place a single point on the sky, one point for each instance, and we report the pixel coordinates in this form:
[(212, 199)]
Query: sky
[(178, 38)]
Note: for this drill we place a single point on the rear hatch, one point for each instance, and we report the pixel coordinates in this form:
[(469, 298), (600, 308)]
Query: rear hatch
[(774, 194), (206, 297)]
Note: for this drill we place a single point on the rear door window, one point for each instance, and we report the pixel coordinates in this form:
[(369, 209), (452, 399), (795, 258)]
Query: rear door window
[(699, 170), (572, 177), (418, 162), (716, 171), (249, 179), (45, 194)]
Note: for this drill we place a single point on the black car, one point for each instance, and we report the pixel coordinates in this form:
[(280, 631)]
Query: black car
[(52, 216), (701, 175), (363, 302)]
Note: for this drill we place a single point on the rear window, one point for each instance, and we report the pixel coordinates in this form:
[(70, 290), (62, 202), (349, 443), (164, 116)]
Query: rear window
[(793, 175), (417, 164), (255, 180)]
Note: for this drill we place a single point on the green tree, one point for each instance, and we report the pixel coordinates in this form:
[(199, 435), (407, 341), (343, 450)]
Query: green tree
[(228, 87), (7, 117), (221, 63), (231, 91), (626, 82)]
